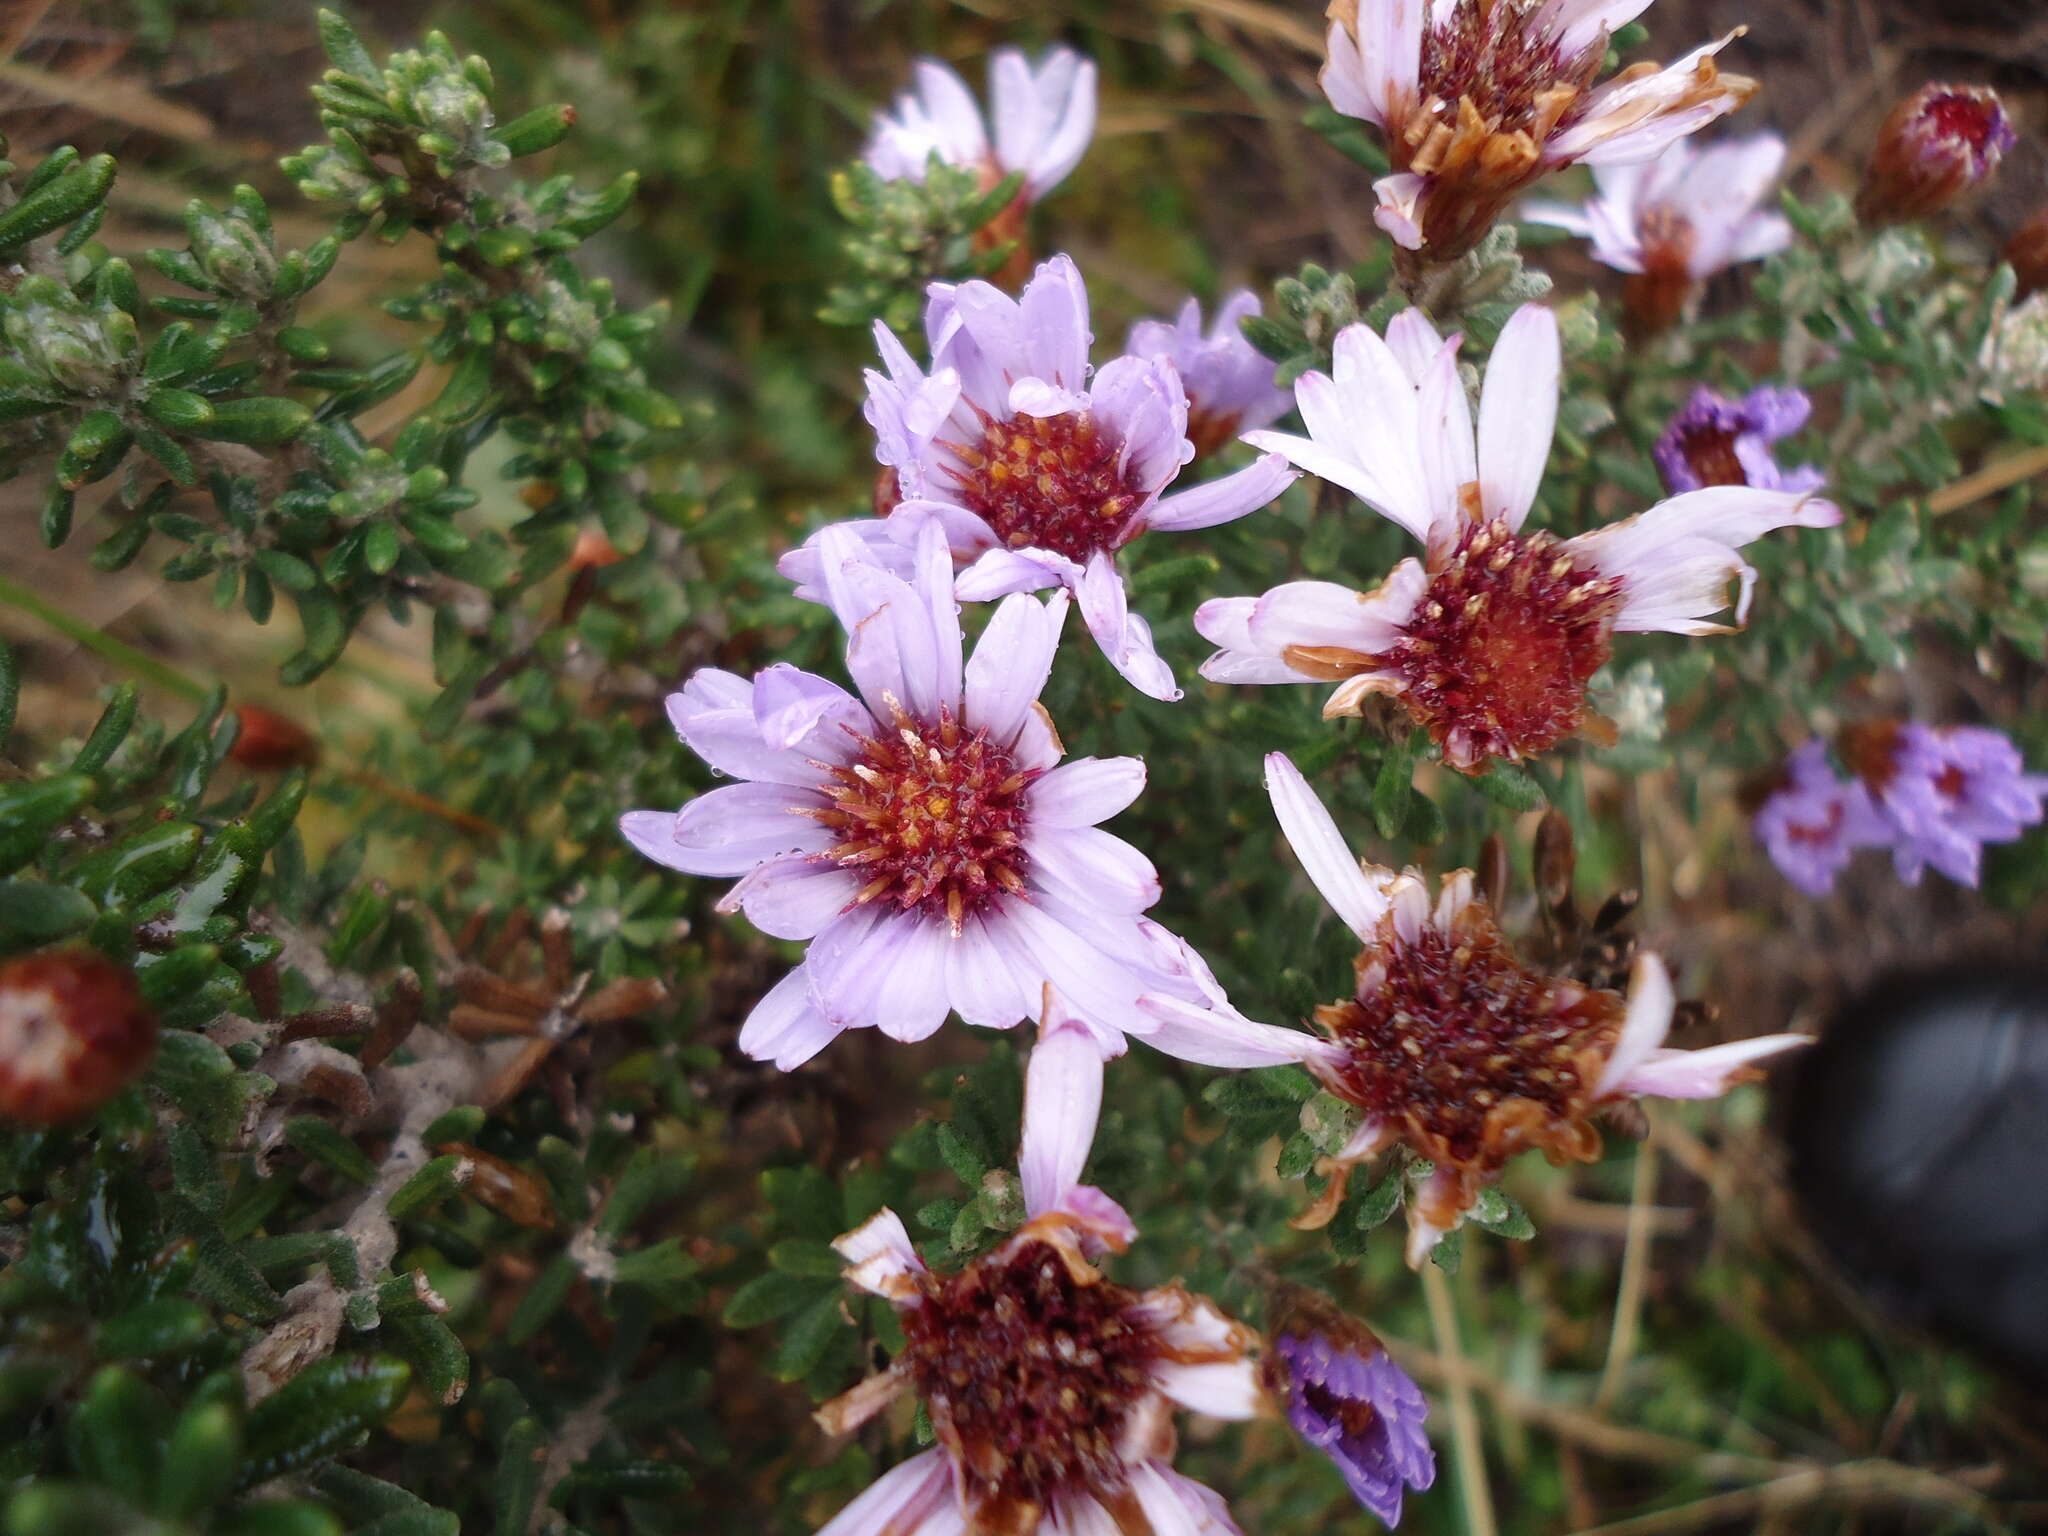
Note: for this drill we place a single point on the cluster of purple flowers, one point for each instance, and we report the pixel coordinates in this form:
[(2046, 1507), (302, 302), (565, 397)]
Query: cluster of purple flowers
[(921, 834), (920, 831), (1933, 795)]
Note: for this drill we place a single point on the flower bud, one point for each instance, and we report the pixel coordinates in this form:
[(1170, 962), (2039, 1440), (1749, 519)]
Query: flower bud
[(269, 740), (1344, 1396), (2027, 251), (74, 1031), (233, 253), (1939, 143), (593, 551)]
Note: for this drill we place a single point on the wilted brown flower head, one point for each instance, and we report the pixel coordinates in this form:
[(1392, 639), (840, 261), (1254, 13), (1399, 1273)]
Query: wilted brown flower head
[(1479, 98)]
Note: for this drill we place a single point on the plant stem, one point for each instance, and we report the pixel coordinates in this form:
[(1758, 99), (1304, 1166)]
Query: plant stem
[(1635, 1269), (99, 641), (1473, 1494)]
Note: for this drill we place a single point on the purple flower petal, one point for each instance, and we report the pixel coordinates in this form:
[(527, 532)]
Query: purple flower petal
[(1010, 664), (1086, 791), (1062, 1097), (1125, 638), (1224, 499), (785, 1027), (793, 897)]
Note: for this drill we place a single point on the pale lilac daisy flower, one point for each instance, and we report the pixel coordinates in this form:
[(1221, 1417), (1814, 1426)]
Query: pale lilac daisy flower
[(1453, 1047), (1673, 222), (1228, 381), (1037, 473), (1490, 640), (1477, 99), (920, 833), (1051, 1389), (1044, 117), (1944, 793), (1347, 1398), (1813, 820), (1718, 441)]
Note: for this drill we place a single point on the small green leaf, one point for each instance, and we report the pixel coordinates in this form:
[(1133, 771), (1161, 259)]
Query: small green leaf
[(321, 1411), (33, 913), (805, 1256), (320, 1141), (169, 1325), (1501, 1214), (543, 1298), (1372, 1207), (438, 1180), (112, 729), (1390, 790), (345, 49), (767, 1297), (805, 1341), (1510, 787)]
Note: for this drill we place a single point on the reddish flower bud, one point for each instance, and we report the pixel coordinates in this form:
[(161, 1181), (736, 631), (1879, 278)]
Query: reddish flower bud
[(74, 1031), (2028, 253), (593, 551), (268, 740), (1938, 143)]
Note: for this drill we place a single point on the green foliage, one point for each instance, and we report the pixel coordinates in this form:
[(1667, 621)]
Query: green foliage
[(906, 234), (232, 393), (434, 1205)]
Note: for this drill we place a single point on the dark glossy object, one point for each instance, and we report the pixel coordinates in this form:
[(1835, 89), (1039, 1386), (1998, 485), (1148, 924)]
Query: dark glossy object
[(1919, 1146)]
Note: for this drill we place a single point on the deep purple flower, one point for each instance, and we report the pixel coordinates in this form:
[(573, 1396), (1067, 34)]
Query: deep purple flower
[(1229, 382), (1944, 792), (1037, 473), (918, 833), (1813, 820), (1718, 441), (1351, 1402), (1937, 144), (1050, 1388)]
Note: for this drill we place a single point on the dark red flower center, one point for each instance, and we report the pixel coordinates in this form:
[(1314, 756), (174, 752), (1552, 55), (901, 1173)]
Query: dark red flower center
[(1498, 654), (1353, 1415), (1870, 750), (1976, 121), (1048, 482), (1500, 56), (1029, 1374), (1710, 453), (932, 815), (1211, 431), (1473, 1054), (1818, 833)]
